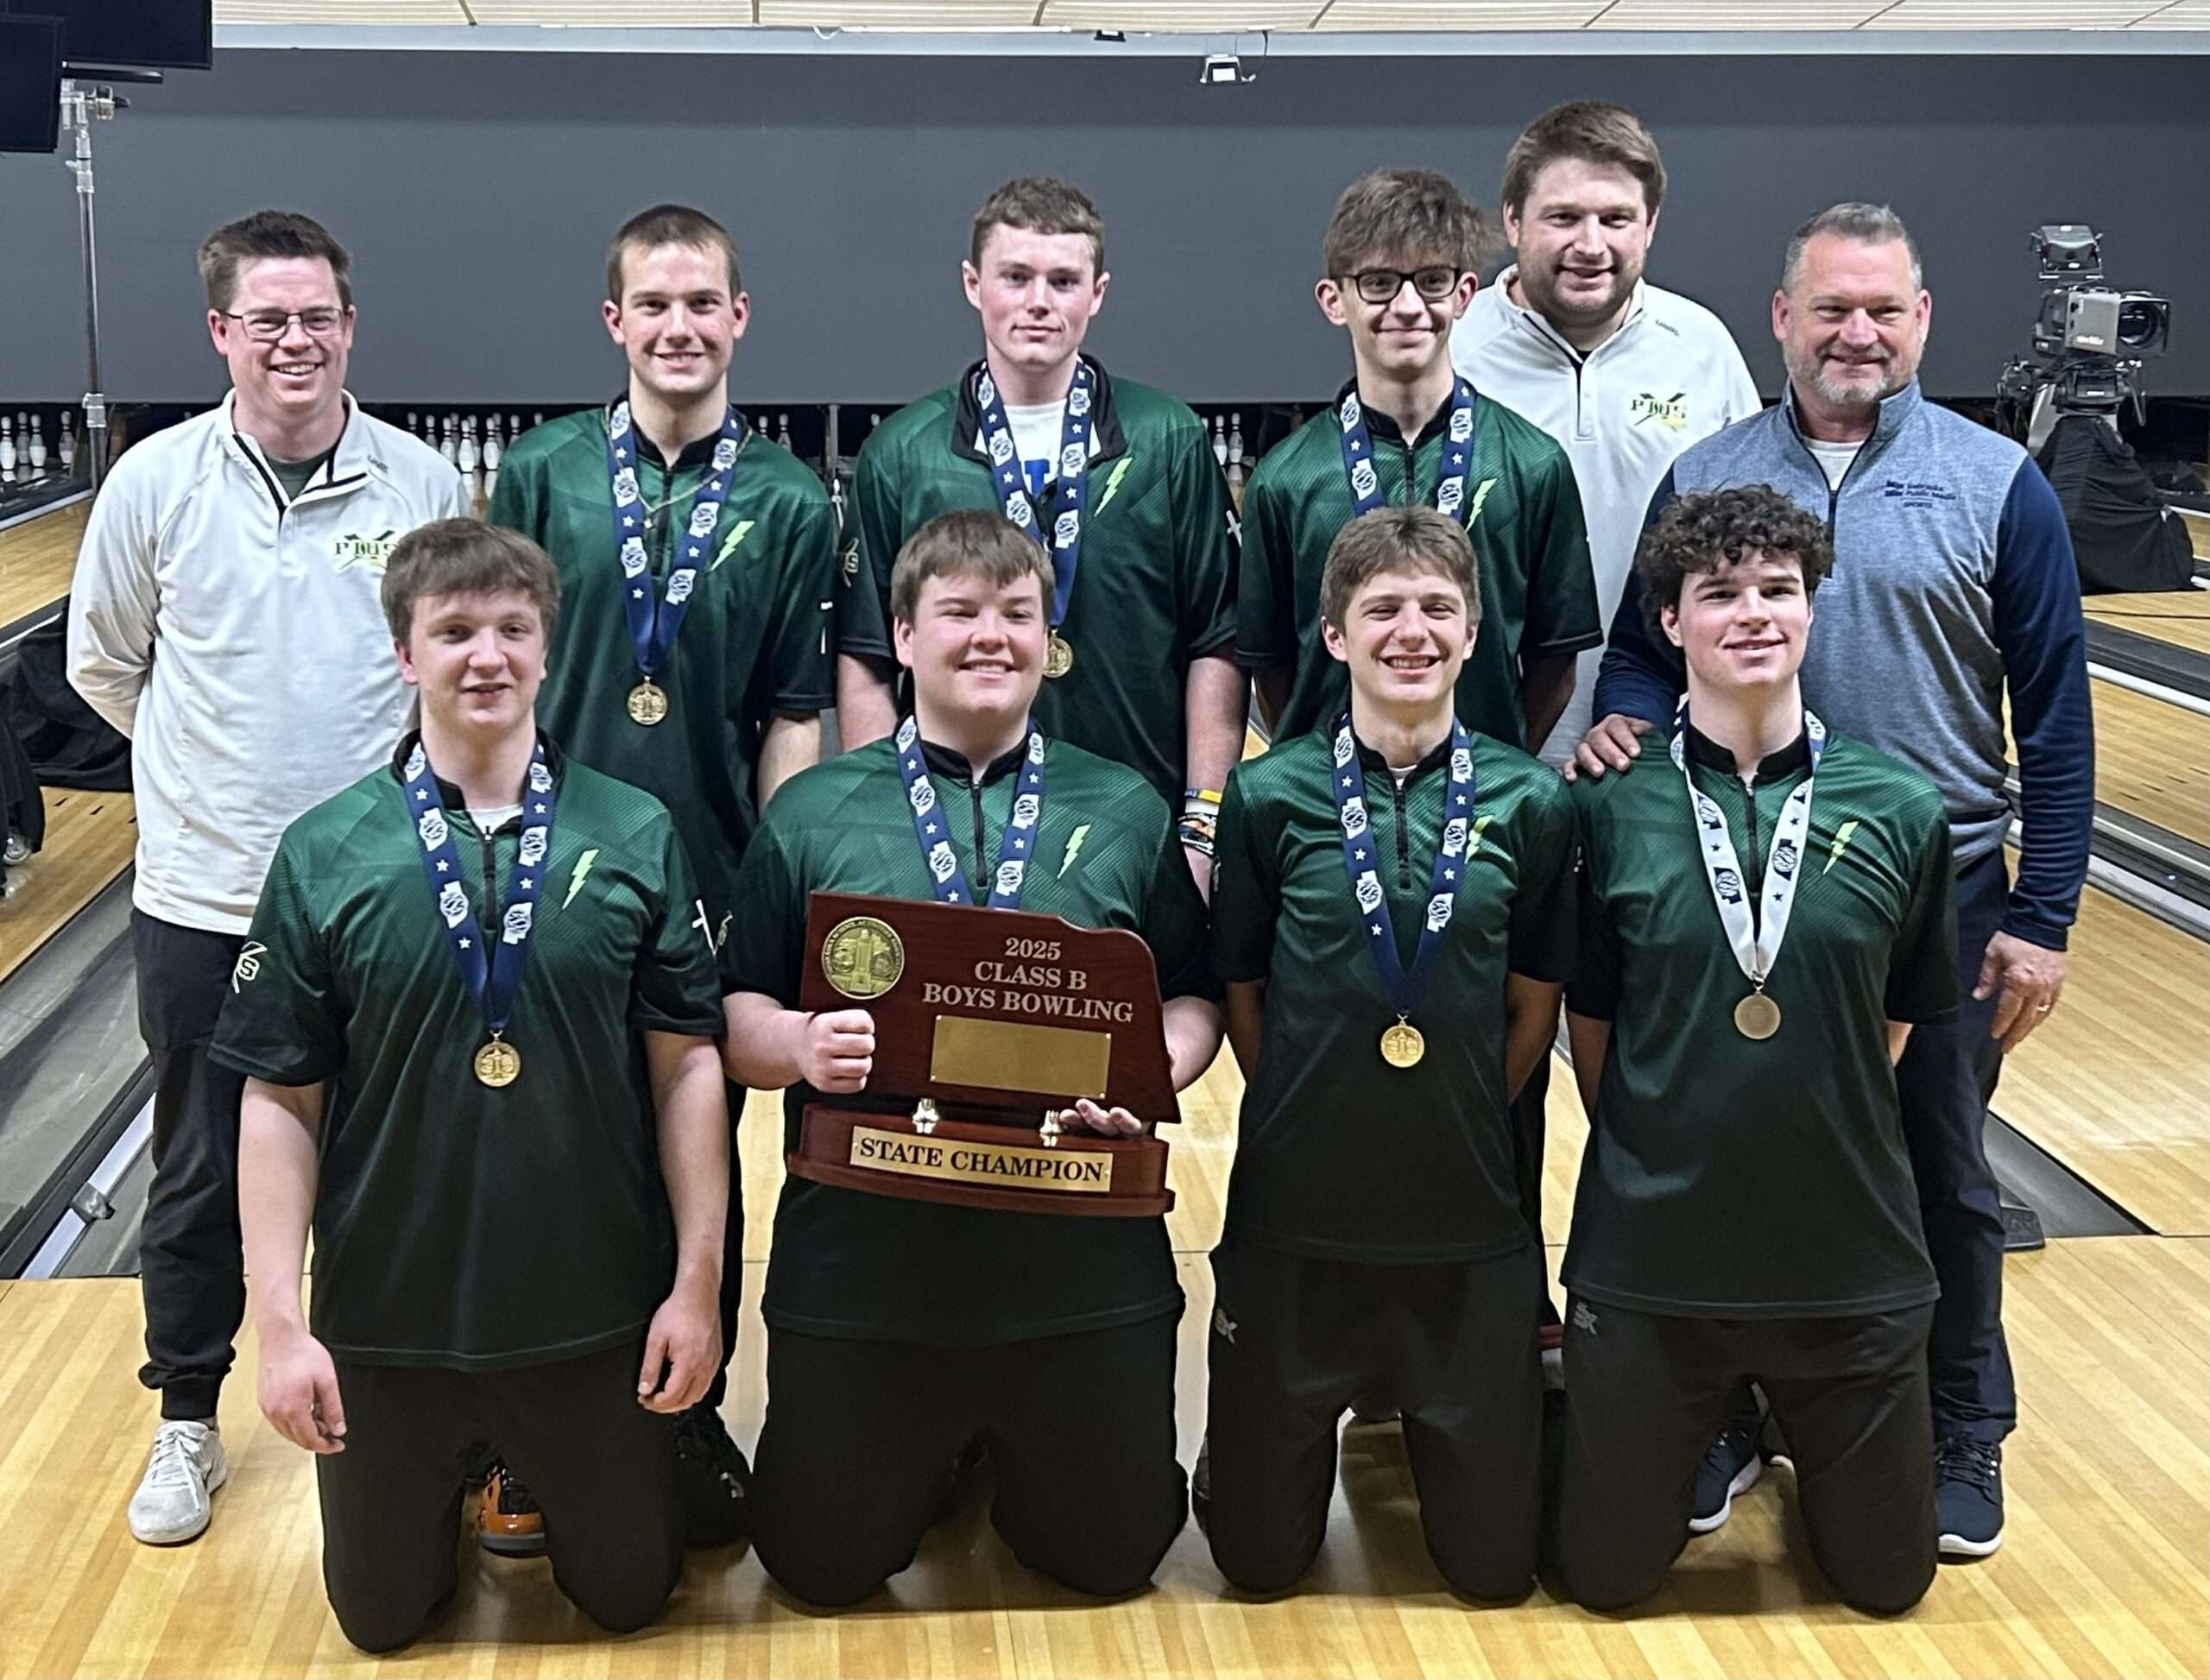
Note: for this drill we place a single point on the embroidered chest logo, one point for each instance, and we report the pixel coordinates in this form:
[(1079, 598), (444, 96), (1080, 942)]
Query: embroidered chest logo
[(737, 533), (1074, 848), (1841, 843), (1916, 492), (1670, 412), (374, 553), (1480, 496), (1113, 482), (848, 563), (577, 875)]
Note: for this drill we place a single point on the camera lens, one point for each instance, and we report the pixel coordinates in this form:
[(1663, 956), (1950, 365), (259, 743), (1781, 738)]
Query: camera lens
[(2137, 325)]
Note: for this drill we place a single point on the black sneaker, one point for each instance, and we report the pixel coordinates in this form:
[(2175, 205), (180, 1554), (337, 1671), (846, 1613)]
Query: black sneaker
[(1967, 1496), (1732, 1465), (507, 1522), (711, 1476)]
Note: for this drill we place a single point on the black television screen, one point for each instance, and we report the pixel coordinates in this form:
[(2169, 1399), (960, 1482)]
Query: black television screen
[(159, 35), (30, 84)]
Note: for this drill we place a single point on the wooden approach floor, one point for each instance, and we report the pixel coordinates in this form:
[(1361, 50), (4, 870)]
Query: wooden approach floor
[(2103, 1573), (2179, 616), (90, 838), (2152, 761), (36, 559)]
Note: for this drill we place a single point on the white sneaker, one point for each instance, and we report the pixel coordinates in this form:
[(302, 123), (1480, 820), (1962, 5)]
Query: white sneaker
[(171, 1505)]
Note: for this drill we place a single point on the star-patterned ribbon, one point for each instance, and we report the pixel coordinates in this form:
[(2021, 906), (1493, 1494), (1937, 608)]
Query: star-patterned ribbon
[(1072, 470), (492, 985), (932, 828), (654, 620), (1361, 865), (1366, 491)]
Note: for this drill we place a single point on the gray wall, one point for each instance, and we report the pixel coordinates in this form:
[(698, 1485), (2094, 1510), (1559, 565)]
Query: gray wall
[(477, 192)]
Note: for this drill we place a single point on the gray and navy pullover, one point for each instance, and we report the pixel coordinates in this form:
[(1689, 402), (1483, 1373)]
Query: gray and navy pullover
[(1953, 578)]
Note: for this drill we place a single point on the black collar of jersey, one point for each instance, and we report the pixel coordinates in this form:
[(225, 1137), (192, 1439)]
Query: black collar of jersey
[(448, 794), (1385, 426), (1104, 421), (943, 761), (1434, 760), (696, 453), (1708, 753)]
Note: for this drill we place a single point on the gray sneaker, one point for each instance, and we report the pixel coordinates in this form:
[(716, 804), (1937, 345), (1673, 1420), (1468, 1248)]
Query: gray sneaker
[(186, 1465)]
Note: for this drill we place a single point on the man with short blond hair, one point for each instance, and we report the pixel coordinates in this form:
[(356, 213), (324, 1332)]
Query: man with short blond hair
[(224, 617)]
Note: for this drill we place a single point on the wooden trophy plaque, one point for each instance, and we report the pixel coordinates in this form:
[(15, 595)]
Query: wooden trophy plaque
[(987, 1023)]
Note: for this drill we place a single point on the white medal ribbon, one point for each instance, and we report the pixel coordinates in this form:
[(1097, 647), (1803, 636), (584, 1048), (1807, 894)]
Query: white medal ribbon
[(1756, 948)]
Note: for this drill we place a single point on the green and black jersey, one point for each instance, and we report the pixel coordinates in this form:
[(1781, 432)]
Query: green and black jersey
[(1729, 1177), (755, 641), (456, 1225), (1523, 511), (1338, 1154), (846, 1263), (1156, 584)]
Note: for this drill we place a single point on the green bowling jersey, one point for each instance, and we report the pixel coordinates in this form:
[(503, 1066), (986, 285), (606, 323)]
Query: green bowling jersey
[(1523, 511), (1155, 587), (1338, 1154), (847, 1263), (456, 1225), (1730, 1177), (755, 641)]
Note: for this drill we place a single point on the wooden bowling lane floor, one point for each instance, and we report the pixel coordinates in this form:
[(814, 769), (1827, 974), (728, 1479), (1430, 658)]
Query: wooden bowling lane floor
[(2101, 1574), (2152, 761), (36, 559), (2179, 616)]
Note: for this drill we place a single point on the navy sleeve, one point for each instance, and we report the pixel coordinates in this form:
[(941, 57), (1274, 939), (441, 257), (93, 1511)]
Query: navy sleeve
[(2043, 640), (1640, 676)]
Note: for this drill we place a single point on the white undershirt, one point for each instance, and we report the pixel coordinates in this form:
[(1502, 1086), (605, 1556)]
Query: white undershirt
[(1834, 460), (492, 818), (1036, 435)]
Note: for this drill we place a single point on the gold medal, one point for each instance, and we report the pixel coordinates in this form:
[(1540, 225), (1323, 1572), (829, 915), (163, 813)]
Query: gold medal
[(1402, 1046), (1058, 657), (648, 703), (1757, 1016), (862, 957), (498, 1063)]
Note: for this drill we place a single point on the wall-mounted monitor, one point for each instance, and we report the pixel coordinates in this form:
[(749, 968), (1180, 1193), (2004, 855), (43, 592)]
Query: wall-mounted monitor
[(153, 34), (30, 84)]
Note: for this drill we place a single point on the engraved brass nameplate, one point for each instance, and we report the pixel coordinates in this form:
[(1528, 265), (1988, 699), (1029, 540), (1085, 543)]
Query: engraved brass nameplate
[(1012, 1166), (1011, 1056)]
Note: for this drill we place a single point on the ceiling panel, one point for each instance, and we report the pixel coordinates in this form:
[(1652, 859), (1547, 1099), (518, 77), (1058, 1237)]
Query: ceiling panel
[(900, 14), (2012, 14), (1413, 14), (596, 15), (1180, 14), (1671, 14), (340, 11)]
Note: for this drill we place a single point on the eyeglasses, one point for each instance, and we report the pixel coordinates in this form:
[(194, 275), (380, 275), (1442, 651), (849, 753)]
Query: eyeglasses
[(1382, 285), (266, 326)]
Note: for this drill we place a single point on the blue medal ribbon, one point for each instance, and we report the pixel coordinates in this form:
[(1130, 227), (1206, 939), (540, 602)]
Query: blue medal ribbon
[(491, 985), (933, 829), (1359, 863), (1063, 541), (654, 620), (1366, 492)]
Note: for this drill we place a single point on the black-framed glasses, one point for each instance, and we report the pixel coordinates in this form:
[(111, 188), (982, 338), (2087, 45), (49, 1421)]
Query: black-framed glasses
[(1382, 285), (266, 326)]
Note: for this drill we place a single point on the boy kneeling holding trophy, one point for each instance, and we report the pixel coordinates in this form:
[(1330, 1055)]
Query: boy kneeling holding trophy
[(902, 1324)]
